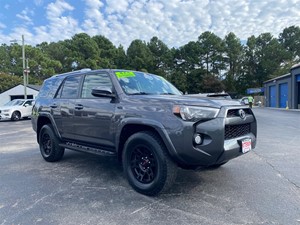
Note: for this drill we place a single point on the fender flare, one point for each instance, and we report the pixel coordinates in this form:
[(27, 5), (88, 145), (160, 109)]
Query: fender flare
[(158, 127), (48, 115)]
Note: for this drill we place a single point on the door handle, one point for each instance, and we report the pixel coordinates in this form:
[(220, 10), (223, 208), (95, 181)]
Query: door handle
[(79, 106), (53, 106)]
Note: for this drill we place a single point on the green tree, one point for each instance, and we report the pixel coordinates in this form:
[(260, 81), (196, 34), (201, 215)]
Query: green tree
[(162, 57), (84, 52), (8, 81), (263, 59), (139, 56), (120, 59), (186, 64), (289, 39), (212, 49), (40, 64), (211, 84), (247, 78), (5, 61), (233, 60), (107, 52), (60, 52), (270, 56), (198, 66), (179, 79)]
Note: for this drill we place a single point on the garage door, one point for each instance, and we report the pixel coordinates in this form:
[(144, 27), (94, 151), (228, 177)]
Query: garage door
[(272, 97), (283, 95)]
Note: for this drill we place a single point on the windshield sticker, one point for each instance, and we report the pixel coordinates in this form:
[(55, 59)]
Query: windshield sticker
[(125, 74), (147, 76)]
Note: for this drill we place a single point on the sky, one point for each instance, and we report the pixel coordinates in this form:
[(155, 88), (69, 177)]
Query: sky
[(175, 22)]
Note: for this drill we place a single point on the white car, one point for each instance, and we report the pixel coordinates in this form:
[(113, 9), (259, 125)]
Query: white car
[(16, 109), (244, 101)]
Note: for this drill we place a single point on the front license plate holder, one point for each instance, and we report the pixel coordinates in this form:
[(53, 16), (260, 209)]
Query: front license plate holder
[(246, 145)]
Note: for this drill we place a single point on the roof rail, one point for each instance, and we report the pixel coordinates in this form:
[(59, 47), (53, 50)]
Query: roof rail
[(74, 72), (85, 69)]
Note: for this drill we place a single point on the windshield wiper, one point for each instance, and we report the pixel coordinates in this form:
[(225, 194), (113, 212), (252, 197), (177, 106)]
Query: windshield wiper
[(167, 93), (140, 93)]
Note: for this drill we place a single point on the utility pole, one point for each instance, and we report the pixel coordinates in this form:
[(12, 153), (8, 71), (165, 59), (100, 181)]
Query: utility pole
[(24, 73), (27, 71)]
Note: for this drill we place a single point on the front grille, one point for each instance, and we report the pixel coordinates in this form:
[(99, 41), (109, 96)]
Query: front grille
[(235, 112), (234, 131)]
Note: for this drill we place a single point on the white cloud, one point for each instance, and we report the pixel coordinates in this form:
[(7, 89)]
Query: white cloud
[(94, 3), (2, 26), (24, 15), (57, 8), (61, 25), (94, 23), (38, 2), (176, 22), (116, 6)]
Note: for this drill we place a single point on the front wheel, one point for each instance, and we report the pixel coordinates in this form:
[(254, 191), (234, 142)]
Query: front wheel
[(15, 116), (147, 166), (49, 144)]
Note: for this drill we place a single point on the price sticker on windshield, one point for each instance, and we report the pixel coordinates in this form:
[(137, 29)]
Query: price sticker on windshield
[(125, 74)]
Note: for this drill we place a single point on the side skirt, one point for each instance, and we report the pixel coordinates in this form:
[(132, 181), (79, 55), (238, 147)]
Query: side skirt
[(82, 148)]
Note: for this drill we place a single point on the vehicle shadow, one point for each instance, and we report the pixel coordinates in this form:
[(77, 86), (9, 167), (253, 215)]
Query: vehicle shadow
[(109, 170), (11, 121)]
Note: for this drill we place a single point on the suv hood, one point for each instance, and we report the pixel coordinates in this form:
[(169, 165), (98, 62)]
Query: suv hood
[(7, 107), (187, 100)]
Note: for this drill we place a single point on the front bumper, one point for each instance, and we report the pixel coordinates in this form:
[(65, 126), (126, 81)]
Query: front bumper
[(5, 116), (221, 138)]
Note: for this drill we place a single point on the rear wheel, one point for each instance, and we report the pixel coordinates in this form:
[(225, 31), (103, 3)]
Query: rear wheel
[(147, 165), (15, 116), (49, 144)]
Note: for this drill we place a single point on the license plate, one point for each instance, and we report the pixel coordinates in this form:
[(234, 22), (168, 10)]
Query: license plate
[(246, 145)]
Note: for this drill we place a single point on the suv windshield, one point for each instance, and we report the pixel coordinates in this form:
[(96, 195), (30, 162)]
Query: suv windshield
[(139, 83), (14, 102)]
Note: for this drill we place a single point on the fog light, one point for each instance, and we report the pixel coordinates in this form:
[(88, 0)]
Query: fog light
[(197, 139)]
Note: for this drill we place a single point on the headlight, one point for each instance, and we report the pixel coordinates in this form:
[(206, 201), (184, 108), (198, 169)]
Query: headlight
[(193, 113)]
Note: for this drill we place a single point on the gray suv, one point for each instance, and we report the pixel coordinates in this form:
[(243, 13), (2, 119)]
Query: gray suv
[(143, 120)]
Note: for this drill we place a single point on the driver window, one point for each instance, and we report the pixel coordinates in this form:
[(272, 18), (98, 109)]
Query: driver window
[(28, 103), (92, 81)]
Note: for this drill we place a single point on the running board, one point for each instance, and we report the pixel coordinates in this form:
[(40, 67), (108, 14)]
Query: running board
[(82, 148)]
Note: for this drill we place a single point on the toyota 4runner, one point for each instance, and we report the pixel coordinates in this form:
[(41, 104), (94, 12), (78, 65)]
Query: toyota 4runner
[(143, 120)]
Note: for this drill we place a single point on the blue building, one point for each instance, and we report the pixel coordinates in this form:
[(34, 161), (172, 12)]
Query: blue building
[(284, 91)]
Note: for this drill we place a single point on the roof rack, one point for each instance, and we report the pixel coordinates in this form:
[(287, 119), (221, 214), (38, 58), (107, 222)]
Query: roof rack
[(74, 72)]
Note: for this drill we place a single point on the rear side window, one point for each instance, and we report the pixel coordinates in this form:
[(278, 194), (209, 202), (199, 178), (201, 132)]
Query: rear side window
[(49, 88), (70, 87), (92, 81)]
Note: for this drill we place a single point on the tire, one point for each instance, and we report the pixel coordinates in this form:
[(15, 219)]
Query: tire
[(49, 144), (15, 116), (147, 166)]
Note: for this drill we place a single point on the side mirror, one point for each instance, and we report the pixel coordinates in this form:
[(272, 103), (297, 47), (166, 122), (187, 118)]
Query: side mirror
[(103, 92)]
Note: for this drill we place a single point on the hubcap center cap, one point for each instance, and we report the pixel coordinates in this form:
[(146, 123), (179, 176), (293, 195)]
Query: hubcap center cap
[(144, 164)]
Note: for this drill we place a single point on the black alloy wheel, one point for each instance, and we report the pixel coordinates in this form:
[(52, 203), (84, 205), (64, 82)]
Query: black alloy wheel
[(46, 143), (49, 144), (143, 164), (147, 165)]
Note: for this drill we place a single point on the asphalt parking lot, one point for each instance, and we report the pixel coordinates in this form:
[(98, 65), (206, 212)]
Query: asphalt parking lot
[(261, 187)]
